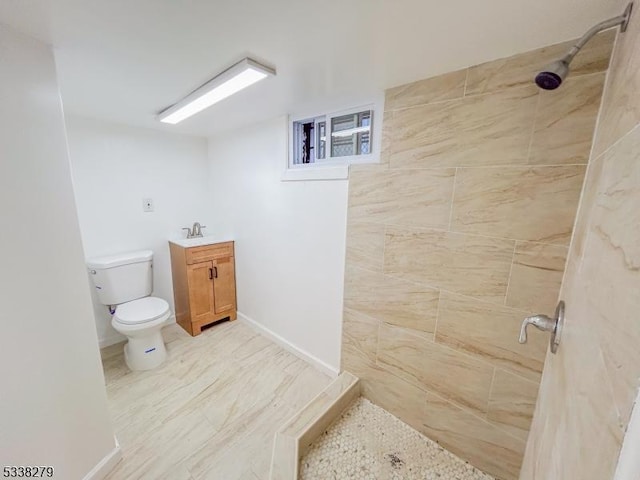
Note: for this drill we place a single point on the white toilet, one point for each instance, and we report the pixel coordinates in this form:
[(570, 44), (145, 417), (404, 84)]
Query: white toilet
[(124, 283)]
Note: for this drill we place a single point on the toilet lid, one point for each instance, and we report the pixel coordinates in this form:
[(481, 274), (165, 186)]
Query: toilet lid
[(142, 310)]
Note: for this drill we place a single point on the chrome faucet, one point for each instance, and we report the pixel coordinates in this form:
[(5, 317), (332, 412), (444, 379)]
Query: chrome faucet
[(195, 231), (546, 324), (541, 322)]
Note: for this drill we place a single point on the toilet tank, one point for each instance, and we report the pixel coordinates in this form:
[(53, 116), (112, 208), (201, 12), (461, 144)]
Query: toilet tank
[(122, 278)]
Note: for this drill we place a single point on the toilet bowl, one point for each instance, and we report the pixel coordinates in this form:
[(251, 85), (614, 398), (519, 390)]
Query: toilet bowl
[(141, 322), (124, 283)]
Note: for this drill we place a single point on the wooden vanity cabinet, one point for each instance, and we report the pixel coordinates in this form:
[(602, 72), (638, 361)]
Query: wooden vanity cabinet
[(204, 284)]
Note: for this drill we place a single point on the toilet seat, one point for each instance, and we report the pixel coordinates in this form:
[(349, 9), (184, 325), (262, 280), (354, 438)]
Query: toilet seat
[(141, 311)]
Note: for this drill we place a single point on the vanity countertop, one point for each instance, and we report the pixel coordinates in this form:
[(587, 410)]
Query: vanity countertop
[(199, 241)]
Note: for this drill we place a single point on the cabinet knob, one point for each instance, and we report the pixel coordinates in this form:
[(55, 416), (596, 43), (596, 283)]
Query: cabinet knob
[(215, 272), (211, 274)]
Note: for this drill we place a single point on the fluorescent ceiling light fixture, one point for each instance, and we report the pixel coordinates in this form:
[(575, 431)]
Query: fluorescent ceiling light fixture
[(350, 131), (243, 74)]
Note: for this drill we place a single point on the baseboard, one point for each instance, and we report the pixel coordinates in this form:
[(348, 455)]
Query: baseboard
[(297, 351), (108, 463), (117, 338)]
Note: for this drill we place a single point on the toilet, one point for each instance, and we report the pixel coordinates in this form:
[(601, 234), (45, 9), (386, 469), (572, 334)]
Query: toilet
[(124, 282)]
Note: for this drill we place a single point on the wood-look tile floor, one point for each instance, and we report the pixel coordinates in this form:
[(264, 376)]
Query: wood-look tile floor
[(211, 411)]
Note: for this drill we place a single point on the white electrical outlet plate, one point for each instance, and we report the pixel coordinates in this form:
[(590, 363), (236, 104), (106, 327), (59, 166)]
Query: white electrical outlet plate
[(147, 204)]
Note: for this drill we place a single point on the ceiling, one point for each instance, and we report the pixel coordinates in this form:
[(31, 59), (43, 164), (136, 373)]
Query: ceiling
[(123, 61)]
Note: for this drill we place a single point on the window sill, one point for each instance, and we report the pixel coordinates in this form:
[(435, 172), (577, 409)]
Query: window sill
[(333, 172)]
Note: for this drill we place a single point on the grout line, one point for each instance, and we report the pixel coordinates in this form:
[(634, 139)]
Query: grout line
[(375, 360), (421, 334), (513, 257), (453, 195), (419, 229), (506, 165), (478, 359), (434, 287), (493, 380), (435, 327), (520, 376), (459, 99), (468, 411), (384, 247), (466, 81), (484, 94)]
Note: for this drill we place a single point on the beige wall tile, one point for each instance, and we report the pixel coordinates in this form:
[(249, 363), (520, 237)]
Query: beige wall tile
[(402, 399), (512, 402), (392, 300), (565, 121), (365, 245), (425, 364), (443, 87), (465, 264), (587, 201), (484, 130), (420, 198), (473, 438), (588, 387), (521, 69), (356, 362), (621, 102), (490, 332), (609, 282), (575, 431), (360, 332), (385, 142), (536, 276), (398, 244), (424, 136), (536, 203)]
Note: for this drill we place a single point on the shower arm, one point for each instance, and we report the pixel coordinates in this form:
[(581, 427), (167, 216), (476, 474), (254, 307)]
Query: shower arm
[(622, 20)]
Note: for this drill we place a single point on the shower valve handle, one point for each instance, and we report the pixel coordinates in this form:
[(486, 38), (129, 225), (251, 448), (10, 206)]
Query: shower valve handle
[(546, 324)]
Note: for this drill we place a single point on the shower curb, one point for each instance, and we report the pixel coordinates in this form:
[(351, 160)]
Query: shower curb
[(293, 440)]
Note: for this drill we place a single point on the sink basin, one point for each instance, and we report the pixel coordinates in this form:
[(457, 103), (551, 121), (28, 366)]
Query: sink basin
[(199, 241)]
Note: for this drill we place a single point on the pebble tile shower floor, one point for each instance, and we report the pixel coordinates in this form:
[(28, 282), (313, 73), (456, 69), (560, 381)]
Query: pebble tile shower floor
[(368, 443)]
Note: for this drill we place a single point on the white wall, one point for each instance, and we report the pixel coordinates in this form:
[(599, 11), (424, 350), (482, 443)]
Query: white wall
[(290, 239), (53, 406), (114, 167), (628, 467)]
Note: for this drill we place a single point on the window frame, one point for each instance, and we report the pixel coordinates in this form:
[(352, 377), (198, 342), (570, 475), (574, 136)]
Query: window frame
[(333, 168)]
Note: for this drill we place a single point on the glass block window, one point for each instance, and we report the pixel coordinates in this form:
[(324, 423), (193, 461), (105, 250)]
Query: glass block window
[(351, 134)]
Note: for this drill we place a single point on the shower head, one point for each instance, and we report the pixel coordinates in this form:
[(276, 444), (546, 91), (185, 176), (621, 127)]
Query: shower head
[(554, 74)]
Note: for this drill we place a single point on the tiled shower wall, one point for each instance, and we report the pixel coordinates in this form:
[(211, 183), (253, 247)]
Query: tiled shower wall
[(589, 387), (461, 232)]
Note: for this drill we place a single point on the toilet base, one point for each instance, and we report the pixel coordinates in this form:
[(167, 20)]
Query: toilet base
[(145, 353)]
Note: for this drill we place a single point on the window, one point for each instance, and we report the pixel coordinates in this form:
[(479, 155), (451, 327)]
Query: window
[(351, 134), (309, 140), (331, 141)]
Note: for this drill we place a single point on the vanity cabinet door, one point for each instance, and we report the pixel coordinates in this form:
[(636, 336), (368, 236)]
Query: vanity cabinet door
[(201, 298), (224, 285)]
